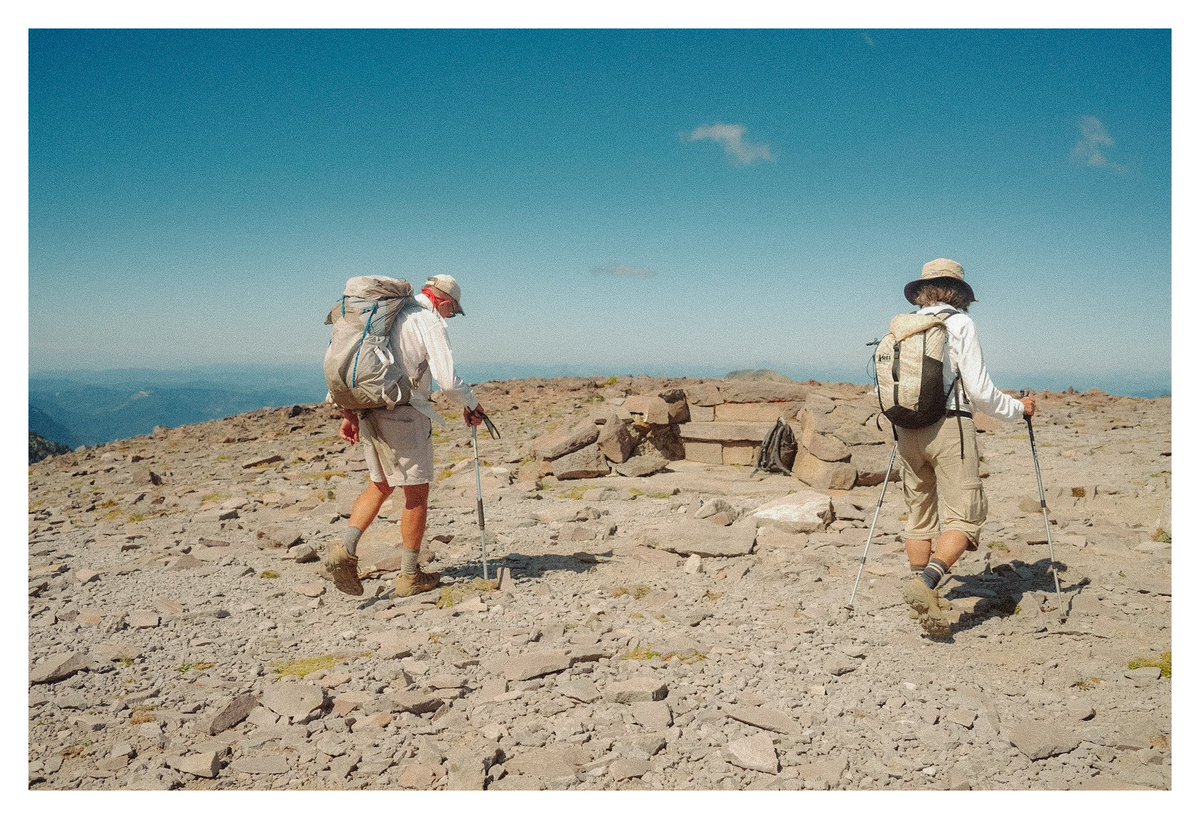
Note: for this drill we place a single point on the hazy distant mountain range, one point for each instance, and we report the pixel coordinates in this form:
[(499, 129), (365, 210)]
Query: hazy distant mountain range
[(89, 408)]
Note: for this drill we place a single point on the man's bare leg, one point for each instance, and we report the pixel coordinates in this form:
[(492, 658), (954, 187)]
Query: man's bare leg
[(918, 554), (366, 507), (342, 559), (416, 512), (412, 529)]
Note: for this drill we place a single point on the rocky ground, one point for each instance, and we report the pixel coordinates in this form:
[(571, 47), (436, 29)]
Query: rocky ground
[(182, 634)]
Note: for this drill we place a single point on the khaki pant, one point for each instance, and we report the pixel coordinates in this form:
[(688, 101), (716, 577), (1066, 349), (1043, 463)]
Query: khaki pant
[(398, 445), (933, 471)]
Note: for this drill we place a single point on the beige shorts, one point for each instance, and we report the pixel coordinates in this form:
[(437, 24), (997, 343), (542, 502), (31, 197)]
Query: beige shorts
[(398, 445), (933, 471)]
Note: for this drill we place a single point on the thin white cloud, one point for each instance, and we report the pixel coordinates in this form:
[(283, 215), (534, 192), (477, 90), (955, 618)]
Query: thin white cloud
[(1093, 145), (623, 271), (869, 40), (733, 139)]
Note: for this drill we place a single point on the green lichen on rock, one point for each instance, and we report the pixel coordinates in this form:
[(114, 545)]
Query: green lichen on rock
[(1163, 663)]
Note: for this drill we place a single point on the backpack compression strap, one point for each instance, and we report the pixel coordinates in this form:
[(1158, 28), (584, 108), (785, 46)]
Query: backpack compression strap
[(956, 387)]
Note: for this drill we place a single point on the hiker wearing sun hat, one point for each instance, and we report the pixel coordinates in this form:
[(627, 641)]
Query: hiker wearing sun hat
[(940, 461), (442, 295), (398, 441)]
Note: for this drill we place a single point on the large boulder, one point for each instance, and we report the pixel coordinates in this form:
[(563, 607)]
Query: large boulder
[(821, 474), (615, 442), (582, 463), (648, 409), (677, 406), (826, 447), (640, 466), (704, 395)]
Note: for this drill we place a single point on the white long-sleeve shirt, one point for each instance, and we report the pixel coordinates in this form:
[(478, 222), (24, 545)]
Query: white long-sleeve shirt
[(419, 338), (966, 359)]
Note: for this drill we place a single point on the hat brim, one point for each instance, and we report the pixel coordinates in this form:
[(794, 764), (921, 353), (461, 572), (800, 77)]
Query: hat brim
[(910, 289)]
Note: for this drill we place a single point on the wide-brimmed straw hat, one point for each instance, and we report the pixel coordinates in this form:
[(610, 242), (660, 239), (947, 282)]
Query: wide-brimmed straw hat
[(449, 286), (941, 271)]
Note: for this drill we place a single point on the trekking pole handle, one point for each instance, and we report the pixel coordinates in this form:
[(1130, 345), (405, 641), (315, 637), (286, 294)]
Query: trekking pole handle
[(495, 433)]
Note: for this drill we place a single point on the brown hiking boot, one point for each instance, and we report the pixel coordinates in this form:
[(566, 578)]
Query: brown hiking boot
[(409, 584), (928, 607), (343, 568)]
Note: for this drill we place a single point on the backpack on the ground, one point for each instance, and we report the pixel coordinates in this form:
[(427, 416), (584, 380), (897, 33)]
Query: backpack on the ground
[(778, 450), (360, 370), (908, 364)]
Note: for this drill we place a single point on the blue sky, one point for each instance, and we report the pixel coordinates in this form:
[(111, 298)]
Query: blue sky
[(612, 201)]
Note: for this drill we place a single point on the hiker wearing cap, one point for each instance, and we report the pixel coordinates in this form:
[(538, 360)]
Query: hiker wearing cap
[(398, 442), (941, 461)]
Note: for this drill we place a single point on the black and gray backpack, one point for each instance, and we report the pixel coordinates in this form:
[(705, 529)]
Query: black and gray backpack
[(778, 450)]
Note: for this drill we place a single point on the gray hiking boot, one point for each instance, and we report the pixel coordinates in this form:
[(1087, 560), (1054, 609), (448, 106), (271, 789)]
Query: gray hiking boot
[(409, 584), (929, 609), (343, 568)]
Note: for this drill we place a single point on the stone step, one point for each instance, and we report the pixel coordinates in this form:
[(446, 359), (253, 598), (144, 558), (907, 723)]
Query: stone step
[(729, 432)]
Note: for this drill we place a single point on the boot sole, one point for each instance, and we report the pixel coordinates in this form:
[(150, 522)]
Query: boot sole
[(928, 612)]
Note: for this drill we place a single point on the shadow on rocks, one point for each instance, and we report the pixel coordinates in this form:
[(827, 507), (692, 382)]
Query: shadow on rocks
[(522, 565), (1000, 591)]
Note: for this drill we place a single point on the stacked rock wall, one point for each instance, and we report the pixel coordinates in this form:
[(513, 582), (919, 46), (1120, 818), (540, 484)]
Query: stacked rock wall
[(843, 442)]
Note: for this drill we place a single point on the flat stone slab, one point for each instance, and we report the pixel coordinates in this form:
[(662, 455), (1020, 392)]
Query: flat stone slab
[(626, 768), (640, 466), (395, 644), (763, 717), (537, 664), (725, 431), (233, 713), (59, 667), (553, 762), (556, 444), (658, 558), (580, 690), (1039, 740), (295, 700), (144, 619), (799, 513), (204, 765), (700, 537), (754, 753), (417, 702), (654, 714)]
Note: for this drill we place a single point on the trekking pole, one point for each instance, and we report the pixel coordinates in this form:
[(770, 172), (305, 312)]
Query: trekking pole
[(870, 534), (1046, 517), (479, 490)]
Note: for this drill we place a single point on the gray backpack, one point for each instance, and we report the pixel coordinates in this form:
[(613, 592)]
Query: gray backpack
[(360, 370), (778, 450), (908, 369)]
